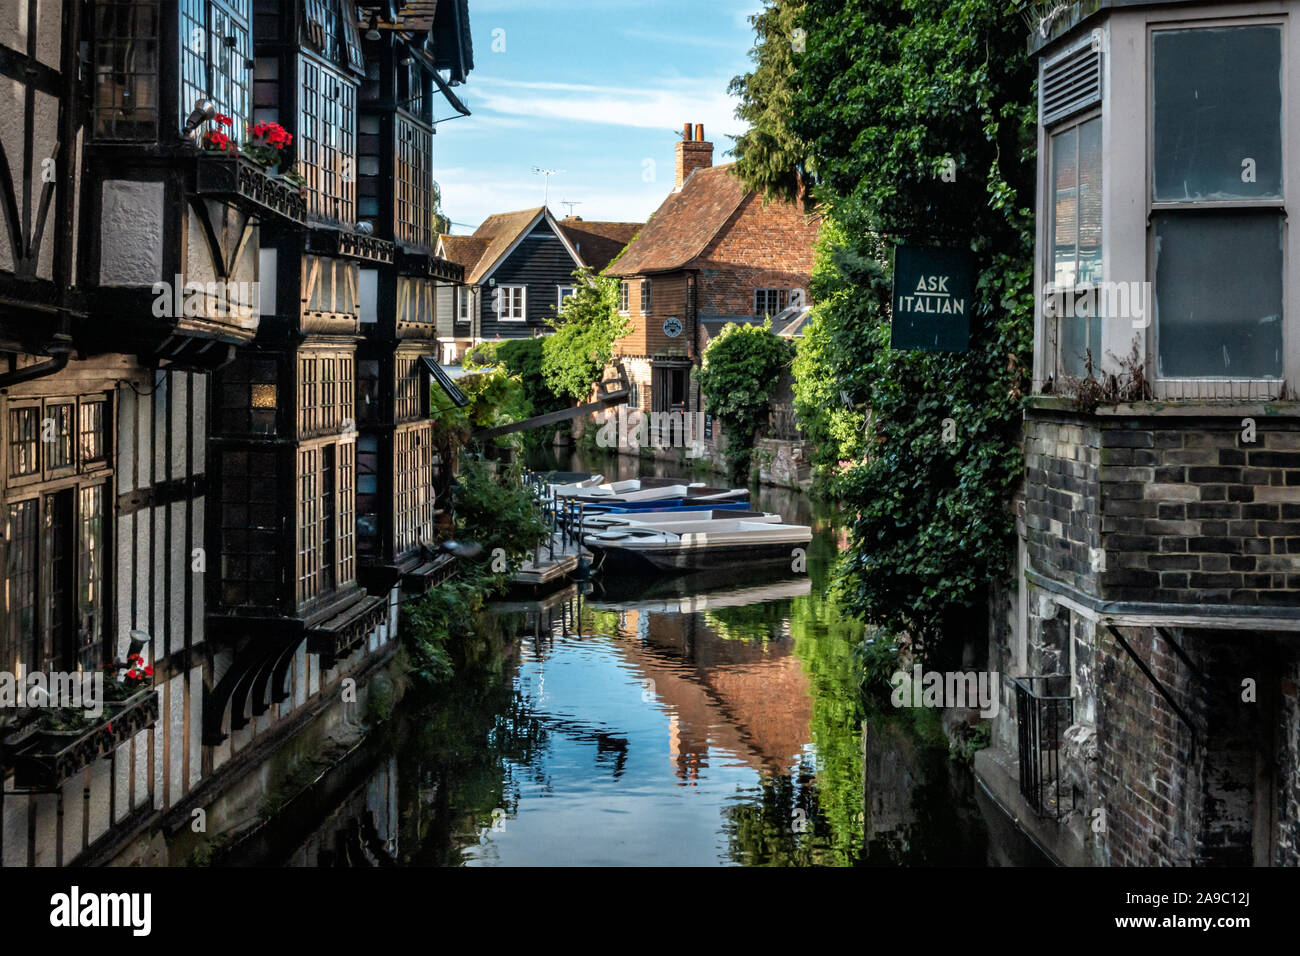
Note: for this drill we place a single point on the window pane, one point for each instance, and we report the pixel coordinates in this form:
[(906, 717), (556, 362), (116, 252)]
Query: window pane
[(59, 446), (1065, 205), (1218, 104), (90, 579), (1219, 294), (1089, 242), (23, 429), (20, 590)]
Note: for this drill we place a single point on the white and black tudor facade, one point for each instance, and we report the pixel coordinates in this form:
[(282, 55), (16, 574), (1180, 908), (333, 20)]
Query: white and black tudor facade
[(214, 387)]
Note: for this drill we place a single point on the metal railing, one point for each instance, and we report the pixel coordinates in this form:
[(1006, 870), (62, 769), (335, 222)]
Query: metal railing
[(1044, 709)]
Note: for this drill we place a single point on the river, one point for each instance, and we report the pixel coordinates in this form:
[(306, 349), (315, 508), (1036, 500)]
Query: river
[(711, 723)]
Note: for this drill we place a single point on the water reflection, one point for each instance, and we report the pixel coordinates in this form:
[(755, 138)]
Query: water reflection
[(695, 721)]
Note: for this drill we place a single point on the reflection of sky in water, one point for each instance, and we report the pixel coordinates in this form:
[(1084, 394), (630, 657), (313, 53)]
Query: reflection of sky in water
[(575, 805)]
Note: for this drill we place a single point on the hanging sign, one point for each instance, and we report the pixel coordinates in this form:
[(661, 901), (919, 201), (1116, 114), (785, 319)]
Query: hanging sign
[(933, 293)]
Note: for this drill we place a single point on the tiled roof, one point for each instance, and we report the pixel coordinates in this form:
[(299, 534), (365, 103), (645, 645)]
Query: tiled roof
[(599, 242), (500, 232), (463, 250), (685, 224)]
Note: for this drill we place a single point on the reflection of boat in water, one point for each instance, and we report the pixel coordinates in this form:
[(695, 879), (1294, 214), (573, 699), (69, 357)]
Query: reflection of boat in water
[(720, 584), (687, 597), (698, 545)]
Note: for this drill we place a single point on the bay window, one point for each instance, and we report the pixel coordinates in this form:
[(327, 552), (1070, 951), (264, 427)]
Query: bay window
[(327, 140), (216, 53), (326, 519), (1218, 226), (414, 179), (250, 527), (54, 534), (413, 477)]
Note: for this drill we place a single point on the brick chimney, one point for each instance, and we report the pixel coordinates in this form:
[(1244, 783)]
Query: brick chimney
[(692, 153)]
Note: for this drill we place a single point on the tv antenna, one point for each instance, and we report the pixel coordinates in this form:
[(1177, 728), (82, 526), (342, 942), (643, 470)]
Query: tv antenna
[(548, 173), (570, 203)]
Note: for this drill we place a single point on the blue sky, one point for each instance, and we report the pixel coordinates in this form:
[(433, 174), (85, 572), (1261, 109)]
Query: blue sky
[(598, 88)]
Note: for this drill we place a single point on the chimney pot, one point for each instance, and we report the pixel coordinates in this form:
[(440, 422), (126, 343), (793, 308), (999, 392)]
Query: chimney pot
[(686, 133), (699, 132)]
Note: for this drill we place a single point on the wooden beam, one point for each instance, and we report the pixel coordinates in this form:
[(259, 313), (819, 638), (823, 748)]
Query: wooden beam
[(608, 400)]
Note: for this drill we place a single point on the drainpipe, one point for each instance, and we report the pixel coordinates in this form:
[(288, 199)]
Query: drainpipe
[(60, 351)]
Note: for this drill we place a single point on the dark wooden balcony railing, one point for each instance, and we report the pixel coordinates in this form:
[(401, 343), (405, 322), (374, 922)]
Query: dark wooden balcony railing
[(237, 177)]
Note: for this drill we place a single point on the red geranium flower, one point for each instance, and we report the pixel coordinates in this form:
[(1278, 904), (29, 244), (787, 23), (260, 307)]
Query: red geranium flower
[(148, 670), (132, 674), (223, 120)]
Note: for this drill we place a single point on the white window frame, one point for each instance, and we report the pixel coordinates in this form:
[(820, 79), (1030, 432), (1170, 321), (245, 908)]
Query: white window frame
[(507, 313), (1047, 255), (645, 297), (560, 296), (624, 296), (463, 297)]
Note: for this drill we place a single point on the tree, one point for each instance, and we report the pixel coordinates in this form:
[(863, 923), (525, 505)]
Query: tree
[(917, 118), (575, 356), (770, 156)]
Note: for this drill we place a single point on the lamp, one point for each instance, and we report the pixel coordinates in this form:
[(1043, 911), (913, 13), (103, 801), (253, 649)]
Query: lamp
[(373, 32), (203, 111)]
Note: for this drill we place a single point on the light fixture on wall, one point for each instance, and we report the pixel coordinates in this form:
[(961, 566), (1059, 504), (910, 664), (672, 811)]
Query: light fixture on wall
[(373, 32), (203, 111)]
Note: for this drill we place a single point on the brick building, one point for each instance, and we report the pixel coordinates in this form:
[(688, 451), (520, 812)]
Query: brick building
[(1158, 584), (712, 253)]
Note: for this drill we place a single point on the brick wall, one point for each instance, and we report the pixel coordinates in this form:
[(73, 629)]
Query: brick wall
[(760, 248), (1186, 510), (1169, 803)]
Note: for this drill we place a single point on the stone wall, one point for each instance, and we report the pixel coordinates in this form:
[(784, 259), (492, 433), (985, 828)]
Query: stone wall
[(1186, 510)]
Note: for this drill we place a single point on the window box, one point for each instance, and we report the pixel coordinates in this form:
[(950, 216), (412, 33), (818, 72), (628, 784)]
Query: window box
[(53, 756), (228, 176)]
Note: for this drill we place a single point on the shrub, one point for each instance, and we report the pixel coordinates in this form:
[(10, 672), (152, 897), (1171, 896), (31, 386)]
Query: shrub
[(739, 373)]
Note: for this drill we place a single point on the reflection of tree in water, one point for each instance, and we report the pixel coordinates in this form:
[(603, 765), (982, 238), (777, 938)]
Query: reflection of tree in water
[(920, 803), (781, 825), (457, 764)]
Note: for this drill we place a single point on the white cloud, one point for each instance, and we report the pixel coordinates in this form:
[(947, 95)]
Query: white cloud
[(666, 106)]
